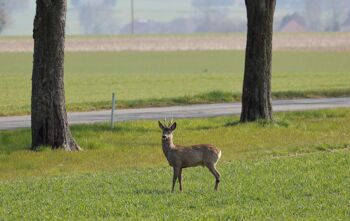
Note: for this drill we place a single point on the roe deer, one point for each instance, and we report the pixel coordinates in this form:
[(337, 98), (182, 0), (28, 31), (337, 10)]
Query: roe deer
[(180, 157)]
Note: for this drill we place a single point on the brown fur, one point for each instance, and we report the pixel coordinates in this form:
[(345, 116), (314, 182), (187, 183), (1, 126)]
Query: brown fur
[(180, 157)]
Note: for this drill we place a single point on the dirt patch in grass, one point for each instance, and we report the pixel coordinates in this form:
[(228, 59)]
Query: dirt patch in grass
[(282, 41)]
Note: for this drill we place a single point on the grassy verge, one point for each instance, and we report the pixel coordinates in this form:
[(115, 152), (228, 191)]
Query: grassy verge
[(205, 98), (137, 144), (144, 79)]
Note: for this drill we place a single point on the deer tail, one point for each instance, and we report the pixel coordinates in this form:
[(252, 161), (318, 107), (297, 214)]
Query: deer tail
[(219, 154)]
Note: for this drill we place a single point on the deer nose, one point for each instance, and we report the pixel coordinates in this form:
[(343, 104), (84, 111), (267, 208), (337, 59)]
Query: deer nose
[(164, 137)]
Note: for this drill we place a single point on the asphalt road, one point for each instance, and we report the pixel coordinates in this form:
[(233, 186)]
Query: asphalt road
[(190, 111)]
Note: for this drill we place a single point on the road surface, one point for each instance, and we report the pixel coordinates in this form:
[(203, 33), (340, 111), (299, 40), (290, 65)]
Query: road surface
[(190, 111)]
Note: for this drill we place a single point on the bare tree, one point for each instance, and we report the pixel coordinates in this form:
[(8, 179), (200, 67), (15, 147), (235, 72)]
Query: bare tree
[(256, 97), (211, 3), (338, 13), (3, 17), (49, 117), (313, 14), (6, 8), (97, 16), (213, 16), (324, 15)]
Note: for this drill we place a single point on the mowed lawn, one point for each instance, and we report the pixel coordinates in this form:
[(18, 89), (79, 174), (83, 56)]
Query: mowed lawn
[(167, 78), (297, 168)]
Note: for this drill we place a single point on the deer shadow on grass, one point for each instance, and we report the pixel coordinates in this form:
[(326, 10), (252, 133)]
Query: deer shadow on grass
[(152, 191), (233, 124)]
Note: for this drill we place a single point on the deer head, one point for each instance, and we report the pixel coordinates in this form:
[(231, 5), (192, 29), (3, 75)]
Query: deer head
[(167, 130)]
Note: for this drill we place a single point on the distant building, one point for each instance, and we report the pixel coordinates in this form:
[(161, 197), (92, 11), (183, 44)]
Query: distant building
[(183, 26), (293, 23), (179, 26)]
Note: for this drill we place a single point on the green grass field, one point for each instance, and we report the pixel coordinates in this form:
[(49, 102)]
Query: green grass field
[(168, 78), (297, 168), (313, 187)]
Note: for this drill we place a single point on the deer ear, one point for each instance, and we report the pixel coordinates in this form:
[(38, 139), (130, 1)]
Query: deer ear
[(173, 127), (161, 126)]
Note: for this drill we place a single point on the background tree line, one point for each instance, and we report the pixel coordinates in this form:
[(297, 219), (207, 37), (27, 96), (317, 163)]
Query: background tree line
[(112, 16)]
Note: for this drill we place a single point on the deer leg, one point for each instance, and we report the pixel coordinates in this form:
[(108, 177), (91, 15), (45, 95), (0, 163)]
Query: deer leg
[(175, 175), (180, 179), (216, 173)]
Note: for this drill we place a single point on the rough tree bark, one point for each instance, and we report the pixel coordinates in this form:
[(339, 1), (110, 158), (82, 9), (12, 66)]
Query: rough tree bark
[(256, 97), (49, 117)]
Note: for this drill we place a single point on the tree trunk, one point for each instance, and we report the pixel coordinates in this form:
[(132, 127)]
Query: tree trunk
[(256, 97), (49, 117)]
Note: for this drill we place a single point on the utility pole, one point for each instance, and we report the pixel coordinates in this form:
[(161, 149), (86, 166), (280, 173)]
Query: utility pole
[(132, 17)]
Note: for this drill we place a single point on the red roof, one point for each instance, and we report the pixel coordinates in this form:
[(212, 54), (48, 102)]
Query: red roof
[(293, 26)]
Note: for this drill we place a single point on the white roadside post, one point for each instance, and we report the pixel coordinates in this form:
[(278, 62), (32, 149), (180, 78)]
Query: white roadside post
[(113, 107)]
